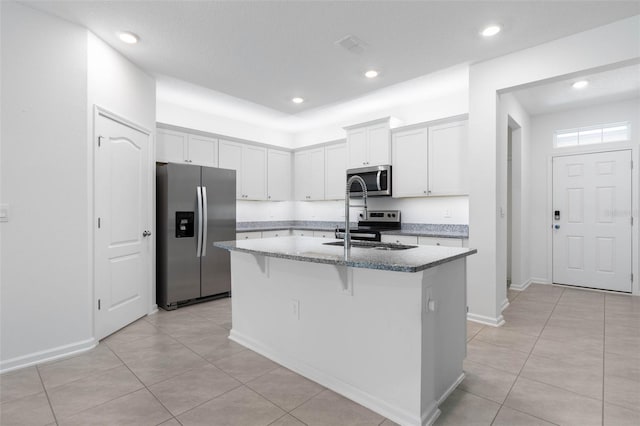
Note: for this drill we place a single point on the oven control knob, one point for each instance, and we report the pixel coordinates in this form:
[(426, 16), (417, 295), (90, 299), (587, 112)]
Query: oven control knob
[(394, 215)]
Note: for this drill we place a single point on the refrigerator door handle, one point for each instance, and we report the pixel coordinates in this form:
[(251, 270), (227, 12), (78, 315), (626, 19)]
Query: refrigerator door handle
[(205, 219), (199, 242)]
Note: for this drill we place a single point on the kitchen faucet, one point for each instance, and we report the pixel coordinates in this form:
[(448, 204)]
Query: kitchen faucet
[(347, 234)]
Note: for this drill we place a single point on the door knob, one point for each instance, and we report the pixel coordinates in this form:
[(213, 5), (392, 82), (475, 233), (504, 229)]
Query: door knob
[(146, 233), (556, 226)]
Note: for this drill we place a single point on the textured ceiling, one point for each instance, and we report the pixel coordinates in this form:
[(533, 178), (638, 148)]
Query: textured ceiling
[(269, 52)]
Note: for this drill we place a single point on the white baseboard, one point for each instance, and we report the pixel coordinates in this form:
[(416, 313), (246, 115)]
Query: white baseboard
[(521, 287), (47, 355), (383, 408), (153, 310), (505, 305), (494, 322), (540, 280), (451, 388)]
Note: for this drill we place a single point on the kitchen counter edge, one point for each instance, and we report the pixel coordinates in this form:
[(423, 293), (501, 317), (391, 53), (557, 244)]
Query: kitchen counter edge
[(413, 260)]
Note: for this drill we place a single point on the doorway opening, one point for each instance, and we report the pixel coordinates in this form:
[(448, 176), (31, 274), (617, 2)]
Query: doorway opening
[(514, 202)]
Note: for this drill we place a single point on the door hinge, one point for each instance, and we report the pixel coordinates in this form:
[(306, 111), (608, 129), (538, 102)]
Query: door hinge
[(631, 220), (631, 164), (98, 304), (632, 277), (99, 141), (98, 223)]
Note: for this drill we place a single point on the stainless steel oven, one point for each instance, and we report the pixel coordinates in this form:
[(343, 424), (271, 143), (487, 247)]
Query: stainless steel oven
[(377, 179), (369, 228)]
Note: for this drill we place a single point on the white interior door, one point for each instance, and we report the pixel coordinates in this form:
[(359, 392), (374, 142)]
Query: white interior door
[(122, 242), (592, 220)]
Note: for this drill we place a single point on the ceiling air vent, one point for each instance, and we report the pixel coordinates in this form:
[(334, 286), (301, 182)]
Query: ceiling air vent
[(352, 44)]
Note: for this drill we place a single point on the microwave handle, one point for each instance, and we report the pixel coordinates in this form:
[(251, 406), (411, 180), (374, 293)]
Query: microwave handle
[(378, 179)]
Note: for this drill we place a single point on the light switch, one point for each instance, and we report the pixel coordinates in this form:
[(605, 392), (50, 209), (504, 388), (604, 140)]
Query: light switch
[(4, 212)]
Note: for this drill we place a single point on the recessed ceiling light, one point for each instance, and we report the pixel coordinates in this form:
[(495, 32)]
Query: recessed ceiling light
[(491, 30), (580, 84), (129, 38), (297, 100), (371, 74)]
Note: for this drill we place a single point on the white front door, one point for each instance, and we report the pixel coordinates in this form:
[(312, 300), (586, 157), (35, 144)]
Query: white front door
[(122, 246), (592, 220)]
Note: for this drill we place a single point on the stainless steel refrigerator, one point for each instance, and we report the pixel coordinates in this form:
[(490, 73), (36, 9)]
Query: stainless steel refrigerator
[(195, 206)]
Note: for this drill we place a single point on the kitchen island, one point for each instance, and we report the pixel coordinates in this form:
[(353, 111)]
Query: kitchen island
[(386, 327)]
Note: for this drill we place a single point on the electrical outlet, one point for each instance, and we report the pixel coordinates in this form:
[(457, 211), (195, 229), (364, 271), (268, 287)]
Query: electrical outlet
[(447, 212), (295, 308), (4, 212)]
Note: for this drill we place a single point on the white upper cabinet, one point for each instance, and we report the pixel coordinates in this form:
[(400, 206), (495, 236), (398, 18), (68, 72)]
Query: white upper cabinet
[(409, 172), (203, 151), (230, 157), (279, 175), (369, 144), (448, 158), (250, 163), (430, 160), (179, 147), (309, 174), (171, 147), (335, 176), (379, 138)]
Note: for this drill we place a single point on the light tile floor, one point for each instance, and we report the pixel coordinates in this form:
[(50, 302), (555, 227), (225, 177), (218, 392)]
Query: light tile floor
[(565, 357)]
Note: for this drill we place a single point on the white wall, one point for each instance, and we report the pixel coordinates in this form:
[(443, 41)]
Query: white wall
[(256, 211), (441, 105), (120, 87), (194, 107), (543, 127), (45, 266), (605, 46), (414, 210), (53, 72)]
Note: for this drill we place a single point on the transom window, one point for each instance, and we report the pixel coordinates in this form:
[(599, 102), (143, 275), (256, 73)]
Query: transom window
[(615, 132)]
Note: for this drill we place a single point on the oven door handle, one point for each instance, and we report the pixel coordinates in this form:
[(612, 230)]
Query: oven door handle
[(367, 236), (378, 179)]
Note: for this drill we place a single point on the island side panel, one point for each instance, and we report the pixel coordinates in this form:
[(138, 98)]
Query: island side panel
[(365, 345), (446, 286)]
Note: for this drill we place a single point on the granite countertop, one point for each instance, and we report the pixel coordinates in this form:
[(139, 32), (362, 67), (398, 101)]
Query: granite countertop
[(413, 229), (309, 249)]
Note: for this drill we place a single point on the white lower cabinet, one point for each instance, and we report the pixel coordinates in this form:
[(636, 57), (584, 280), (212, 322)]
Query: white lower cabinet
[(273, 234), (302, 233), (400, 239), (248, 235), (423, 241), (435, 241), (324, 234)]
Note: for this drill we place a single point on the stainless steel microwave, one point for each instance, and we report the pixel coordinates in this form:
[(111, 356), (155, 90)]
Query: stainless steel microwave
[(377, 179)]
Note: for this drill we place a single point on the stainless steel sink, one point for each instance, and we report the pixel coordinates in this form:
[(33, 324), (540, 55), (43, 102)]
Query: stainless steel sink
[(376, 245)]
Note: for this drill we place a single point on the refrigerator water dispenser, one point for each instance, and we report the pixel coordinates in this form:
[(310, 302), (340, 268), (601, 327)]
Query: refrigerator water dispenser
[(184, 224)]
